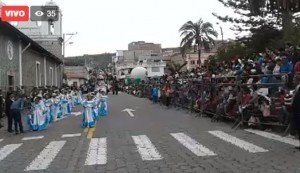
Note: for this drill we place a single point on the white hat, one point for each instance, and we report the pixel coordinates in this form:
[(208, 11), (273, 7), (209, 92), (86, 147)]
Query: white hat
[(277, 58)]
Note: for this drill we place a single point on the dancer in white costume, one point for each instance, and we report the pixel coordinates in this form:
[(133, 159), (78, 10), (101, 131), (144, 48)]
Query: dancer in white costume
[(38, 120), (103, 106), (89, 115)]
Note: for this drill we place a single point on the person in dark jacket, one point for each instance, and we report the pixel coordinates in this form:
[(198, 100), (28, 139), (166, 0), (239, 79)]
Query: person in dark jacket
[(8, 102), (296, 112), (15, 111)]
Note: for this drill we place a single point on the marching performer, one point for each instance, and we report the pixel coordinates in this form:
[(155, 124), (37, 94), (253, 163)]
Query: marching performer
[(103, 107), (65, 104), (89, 114), (78, 97), (48, 105), (38, 120), (57, 113)]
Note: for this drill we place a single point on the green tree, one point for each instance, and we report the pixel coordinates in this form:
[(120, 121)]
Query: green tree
[(251, 14), (199, 34)]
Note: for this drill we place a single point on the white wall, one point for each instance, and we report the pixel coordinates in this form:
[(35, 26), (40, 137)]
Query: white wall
[(79, 81), (154, 73)]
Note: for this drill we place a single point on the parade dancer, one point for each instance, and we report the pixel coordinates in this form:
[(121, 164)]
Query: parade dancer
[(65, 105), (57, 107), (38, 120), (49, 109), (103, 108), (88, 113), (78, 97), (96, 107)]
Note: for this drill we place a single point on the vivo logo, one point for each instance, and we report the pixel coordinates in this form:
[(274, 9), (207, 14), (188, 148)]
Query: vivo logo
[(15, 13)]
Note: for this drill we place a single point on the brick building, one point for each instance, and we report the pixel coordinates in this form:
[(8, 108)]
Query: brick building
[(24, 62)]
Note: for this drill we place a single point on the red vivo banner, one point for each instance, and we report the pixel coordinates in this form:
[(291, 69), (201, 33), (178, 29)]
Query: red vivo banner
[(15, 13)]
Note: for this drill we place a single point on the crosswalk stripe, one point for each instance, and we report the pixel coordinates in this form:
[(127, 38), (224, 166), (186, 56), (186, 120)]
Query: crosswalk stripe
[(238, 142), (97, 153), (71, 135), (31, 138), (274, 137), (44, 159), (146, 149), (7, 149), (192, 145)]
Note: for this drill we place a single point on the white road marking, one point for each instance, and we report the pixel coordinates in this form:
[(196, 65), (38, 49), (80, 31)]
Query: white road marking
[(1, 140), (97, 153), (31, 138), (7, 149), (44, 159), (238, 142), (129, 111), (71, 135), (274, 137), (146, 149), (76, 113), (192, 145)]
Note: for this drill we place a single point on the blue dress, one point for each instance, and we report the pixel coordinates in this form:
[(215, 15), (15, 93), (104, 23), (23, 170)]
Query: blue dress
[(88, 114), (57, 113), (96, 108), (103, 107), (38, 119), (65, 106), (49, 109), (78, 98)]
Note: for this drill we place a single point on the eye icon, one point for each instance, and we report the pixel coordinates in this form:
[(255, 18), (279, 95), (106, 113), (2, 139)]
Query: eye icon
[(39, 13)]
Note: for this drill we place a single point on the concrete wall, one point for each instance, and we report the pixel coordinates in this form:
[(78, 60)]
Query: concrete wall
[(7, 66)]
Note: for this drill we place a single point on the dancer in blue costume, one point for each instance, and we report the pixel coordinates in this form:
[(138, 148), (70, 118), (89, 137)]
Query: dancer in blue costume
[(88, 113), (48, 104), (71, 99), (96, 107), (65, 104), (78, 97), (57, 106), (38, 120), (103, 107)]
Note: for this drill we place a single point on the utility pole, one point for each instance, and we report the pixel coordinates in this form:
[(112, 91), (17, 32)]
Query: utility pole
[(66, 42), (222, 34)]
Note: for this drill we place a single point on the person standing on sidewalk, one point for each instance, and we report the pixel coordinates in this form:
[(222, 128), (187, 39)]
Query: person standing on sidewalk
[(8, 102), (15, 110)]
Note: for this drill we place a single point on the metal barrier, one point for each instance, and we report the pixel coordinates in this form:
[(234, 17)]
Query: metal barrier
[(229, 98)]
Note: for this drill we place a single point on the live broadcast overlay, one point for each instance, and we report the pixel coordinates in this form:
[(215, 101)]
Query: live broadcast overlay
[(26, 13)]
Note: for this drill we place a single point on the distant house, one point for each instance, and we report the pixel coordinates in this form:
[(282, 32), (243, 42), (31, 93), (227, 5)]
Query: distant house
[(97, 61), (76, 75)]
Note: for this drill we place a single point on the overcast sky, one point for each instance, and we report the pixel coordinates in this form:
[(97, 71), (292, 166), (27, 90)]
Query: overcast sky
[(109, 25)]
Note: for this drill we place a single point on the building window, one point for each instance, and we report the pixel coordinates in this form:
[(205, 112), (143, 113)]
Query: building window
[(155, 69), (11, 83), (192, 62), (51, 75), (38, 74)]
